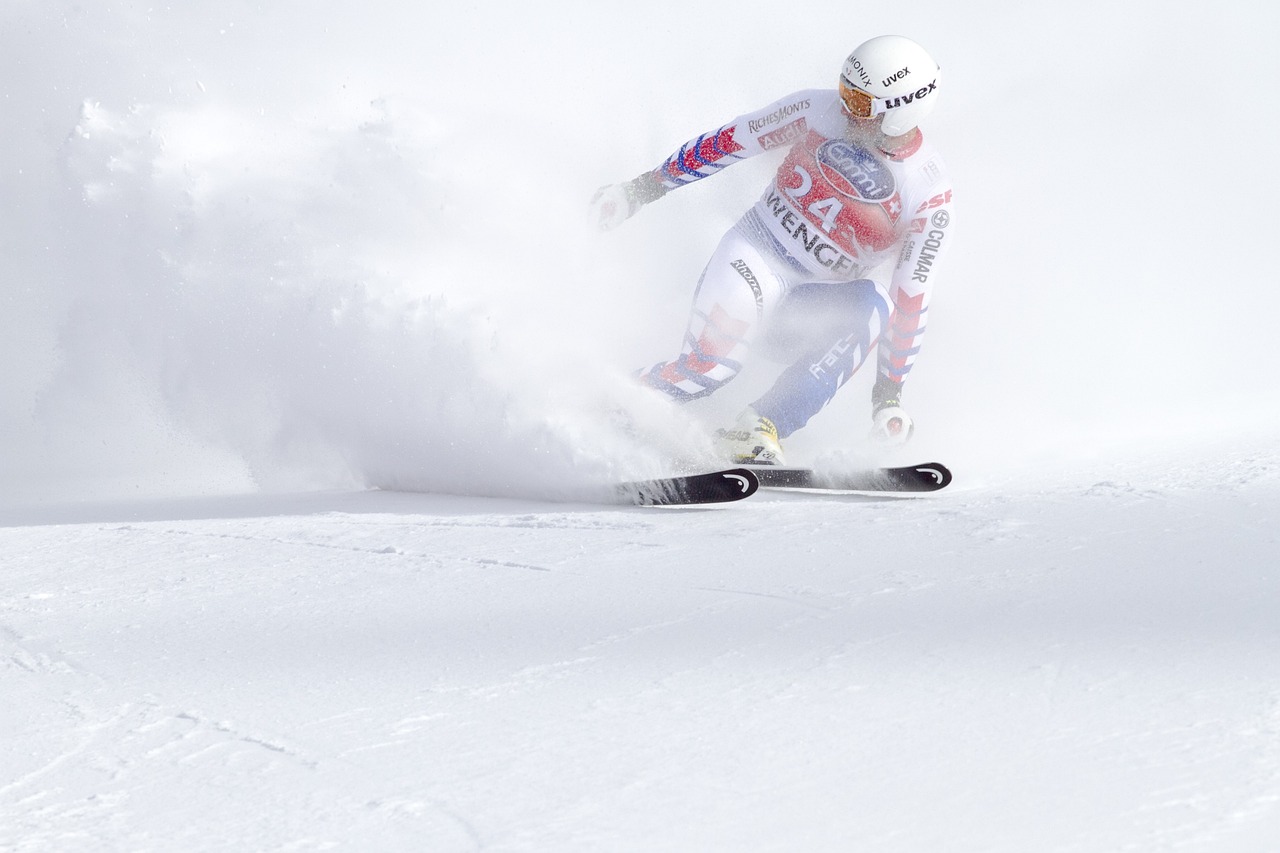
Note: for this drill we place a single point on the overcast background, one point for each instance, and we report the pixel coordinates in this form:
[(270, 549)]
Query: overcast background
[(312, 244)]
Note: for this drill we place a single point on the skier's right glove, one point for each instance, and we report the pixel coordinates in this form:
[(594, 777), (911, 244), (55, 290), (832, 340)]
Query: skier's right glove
[(616, 203)]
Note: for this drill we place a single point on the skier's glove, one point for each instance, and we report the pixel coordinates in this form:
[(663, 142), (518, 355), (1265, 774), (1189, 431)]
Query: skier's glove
[(616, 203), (891, 426)]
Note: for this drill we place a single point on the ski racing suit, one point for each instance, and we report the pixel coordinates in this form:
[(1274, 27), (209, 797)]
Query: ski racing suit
[(793, 272)]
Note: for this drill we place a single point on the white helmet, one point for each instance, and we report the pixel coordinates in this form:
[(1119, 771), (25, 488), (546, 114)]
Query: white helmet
[(891, 76)]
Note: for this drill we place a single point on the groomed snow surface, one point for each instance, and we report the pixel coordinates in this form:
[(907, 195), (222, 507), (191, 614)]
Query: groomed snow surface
[(1085, 662), (310, 368)]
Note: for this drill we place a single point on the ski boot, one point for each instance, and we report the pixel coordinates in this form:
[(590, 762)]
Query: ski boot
[(753, 440)]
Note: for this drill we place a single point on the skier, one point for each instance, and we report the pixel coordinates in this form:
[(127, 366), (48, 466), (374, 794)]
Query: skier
[(859, 189)]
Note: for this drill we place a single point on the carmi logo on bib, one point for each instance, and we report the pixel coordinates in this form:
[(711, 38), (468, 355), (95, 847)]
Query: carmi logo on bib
[(855, 171)]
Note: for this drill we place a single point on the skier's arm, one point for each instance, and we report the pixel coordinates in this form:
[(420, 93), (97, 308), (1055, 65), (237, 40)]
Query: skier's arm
[(919, 266), (774, 126), (616, 203)]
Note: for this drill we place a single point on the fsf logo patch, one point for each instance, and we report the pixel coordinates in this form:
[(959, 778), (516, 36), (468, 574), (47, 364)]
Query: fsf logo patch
[(854, 171)]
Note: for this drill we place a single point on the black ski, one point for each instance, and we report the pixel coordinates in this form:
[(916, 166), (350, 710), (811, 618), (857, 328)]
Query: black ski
[(716, 487), (929, 477)]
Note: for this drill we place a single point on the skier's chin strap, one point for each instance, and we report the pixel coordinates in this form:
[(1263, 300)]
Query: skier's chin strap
[(867, 132), (902, 147)]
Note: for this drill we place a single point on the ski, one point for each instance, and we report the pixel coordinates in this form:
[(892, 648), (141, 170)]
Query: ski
[(716, 487), (928, 477)]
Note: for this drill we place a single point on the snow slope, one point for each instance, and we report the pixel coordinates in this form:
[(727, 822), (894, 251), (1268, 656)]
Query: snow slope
[(256, 261), (1090, 662)]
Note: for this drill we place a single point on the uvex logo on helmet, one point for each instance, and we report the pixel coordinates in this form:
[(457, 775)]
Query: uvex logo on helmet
[(889, 81), (910, 97)]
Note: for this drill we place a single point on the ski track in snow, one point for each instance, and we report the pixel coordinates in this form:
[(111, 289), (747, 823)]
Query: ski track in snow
[(1087, 663)]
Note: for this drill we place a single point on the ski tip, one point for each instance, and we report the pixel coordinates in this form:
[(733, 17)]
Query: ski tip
[(939, 474), (744, 480), (731, 484)]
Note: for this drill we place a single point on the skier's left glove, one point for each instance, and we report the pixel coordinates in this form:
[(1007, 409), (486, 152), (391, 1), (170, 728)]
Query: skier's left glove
[(890, 424), (616, 203)]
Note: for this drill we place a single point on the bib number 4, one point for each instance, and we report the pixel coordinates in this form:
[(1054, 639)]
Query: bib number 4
[(825, 210)]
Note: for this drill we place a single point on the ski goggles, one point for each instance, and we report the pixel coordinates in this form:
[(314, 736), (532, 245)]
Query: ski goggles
[(860, 104)]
